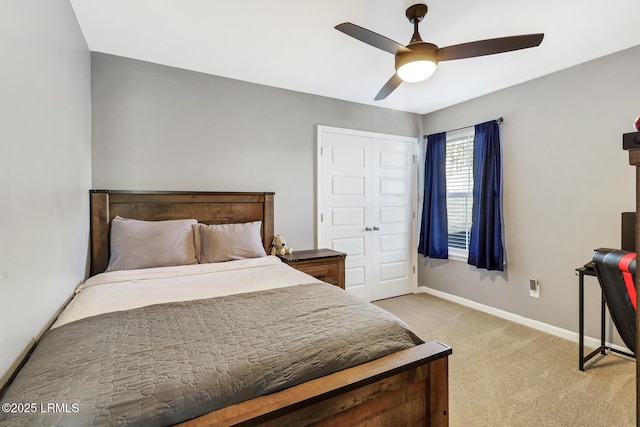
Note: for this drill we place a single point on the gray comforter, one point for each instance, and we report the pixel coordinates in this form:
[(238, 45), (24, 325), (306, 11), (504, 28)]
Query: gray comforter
[(167, 363)]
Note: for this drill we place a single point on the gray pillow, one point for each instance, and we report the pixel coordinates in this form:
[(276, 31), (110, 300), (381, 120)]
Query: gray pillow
[(227, 242), (145, 244)]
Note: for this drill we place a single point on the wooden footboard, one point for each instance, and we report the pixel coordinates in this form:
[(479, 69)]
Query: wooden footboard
[(409, 387)]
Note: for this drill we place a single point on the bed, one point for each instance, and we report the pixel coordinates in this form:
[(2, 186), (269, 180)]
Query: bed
[(393, 378)]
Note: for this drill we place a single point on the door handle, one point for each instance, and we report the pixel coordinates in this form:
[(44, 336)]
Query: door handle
[(367, 228), (376, 228)]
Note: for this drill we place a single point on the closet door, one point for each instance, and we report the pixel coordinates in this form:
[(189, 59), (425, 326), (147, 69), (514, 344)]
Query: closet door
[(392, 218), (345, 194), (366, 208)]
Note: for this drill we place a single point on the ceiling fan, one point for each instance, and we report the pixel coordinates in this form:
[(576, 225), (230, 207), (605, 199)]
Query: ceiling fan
[(418, 60)]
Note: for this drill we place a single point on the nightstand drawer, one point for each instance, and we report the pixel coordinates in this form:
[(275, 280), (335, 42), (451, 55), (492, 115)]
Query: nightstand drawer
[(324, 272), (323, 264)]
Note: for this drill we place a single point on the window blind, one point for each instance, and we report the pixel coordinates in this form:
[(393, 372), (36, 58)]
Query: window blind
[(459, 179)]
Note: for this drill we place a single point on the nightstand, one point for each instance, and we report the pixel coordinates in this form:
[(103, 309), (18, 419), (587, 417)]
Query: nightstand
[(323, 264)]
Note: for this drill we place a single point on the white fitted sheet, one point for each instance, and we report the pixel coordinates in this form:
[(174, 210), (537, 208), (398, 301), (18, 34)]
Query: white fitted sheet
[(127, 289)]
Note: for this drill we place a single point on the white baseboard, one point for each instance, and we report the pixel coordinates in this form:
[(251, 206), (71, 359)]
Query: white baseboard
[(535, 324)]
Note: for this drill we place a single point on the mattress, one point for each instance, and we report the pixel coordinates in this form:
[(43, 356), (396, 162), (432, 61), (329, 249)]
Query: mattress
[(126, 289), (165, 345)]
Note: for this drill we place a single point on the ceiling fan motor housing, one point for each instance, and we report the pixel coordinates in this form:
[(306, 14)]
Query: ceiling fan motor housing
[(422, 51)]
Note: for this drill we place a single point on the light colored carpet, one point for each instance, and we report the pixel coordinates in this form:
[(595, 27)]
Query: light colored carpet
[(505, 374)]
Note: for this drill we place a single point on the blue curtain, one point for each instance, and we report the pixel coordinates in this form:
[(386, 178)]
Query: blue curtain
[(434, 241), (486, 249)]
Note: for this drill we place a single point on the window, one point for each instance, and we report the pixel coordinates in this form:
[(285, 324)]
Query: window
[(459, 179), (453, 184)]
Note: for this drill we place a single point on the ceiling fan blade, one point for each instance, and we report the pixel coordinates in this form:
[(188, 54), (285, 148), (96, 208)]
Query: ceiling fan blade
[(489, 47), (371, 38), (388, 87)]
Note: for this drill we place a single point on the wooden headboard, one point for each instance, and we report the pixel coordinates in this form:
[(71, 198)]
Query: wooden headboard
[(206, 207)]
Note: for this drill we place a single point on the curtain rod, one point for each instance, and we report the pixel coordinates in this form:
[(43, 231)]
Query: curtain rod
[(499, 120)]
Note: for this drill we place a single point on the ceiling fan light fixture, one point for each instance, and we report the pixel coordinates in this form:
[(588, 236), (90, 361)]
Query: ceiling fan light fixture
[(416, 71), (418, 64)]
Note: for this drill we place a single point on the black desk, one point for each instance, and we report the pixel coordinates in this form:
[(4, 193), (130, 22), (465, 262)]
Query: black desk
[(585, 271)]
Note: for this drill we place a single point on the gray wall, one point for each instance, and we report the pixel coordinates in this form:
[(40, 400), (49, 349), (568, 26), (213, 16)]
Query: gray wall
[(163, 128), (45, 135), (566, 181)]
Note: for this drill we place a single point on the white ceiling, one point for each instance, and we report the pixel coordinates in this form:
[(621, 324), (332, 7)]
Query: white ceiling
[(292, 44)]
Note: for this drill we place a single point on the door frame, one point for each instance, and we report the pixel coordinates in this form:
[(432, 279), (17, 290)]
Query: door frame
[(414, 180)]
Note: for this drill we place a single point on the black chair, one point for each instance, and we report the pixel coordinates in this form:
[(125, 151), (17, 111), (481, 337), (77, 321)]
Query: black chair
[(616, 271)]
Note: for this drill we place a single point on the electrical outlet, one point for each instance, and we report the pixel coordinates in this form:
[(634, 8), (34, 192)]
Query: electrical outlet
[(534, 288)]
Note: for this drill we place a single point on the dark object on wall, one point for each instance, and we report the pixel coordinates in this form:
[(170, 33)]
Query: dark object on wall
[(616, 271), (631, 140), (628, 238)]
